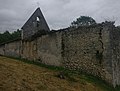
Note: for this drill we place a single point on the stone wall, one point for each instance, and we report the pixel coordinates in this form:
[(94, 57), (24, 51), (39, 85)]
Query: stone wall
[(13, 49), (49, 49), (115, 57), (87, 49), (45, 49), (28, 50), (91, 49)]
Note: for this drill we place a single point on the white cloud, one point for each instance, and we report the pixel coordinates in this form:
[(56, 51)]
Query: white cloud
[(58, 13)]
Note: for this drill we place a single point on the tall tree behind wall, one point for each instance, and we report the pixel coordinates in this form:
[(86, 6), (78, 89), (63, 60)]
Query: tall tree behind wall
[(83, 21), (7, 36)]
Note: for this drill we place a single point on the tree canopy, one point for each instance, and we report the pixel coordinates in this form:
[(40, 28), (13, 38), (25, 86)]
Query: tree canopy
[(83, 21), (7, 36)]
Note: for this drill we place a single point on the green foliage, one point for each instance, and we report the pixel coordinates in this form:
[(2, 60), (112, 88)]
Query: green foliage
[(83, 21), (7, 36)]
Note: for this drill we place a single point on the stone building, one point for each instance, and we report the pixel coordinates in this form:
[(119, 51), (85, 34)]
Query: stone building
[(35, 24)]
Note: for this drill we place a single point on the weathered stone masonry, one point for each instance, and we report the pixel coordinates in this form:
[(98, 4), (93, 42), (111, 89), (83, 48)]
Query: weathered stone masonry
[(93, 49), (46, 49), (85, 51), (115, 54)]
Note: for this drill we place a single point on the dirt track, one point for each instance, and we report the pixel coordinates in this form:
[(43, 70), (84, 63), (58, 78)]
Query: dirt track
[(20, 76)]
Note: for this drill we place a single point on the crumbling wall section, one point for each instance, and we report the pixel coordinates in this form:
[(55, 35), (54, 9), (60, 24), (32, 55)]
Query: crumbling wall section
[(115, 57), (86, 49), (29, 50), (49, 49), (91, 49), (45, 49), (13, 49)]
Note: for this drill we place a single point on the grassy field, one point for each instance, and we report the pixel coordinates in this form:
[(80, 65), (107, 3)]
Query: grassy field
[(25, 76)]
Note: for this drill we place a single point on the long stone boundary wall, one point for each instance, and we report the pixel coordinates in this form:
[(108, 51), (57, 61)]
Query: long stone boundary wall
[(91, 49), (12, 49), (46, 49)]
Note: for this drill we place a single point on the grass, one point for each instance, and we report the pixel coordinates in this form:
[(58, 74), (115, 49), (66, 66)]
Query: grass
[(71, 75)]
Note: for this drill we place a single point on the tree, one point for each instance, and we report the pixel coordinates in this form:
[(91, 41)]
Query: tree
[(83, 21), (16, 34), (7, 36)]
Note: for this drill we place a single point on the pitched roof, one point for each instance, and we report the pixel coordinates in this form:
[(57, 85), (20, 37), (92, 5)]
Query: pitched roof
[(33, 18)]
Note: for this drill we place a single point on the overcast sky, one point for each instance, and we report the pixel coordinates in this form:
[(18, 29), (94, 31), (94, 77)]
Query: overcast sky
[(58, 13)]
